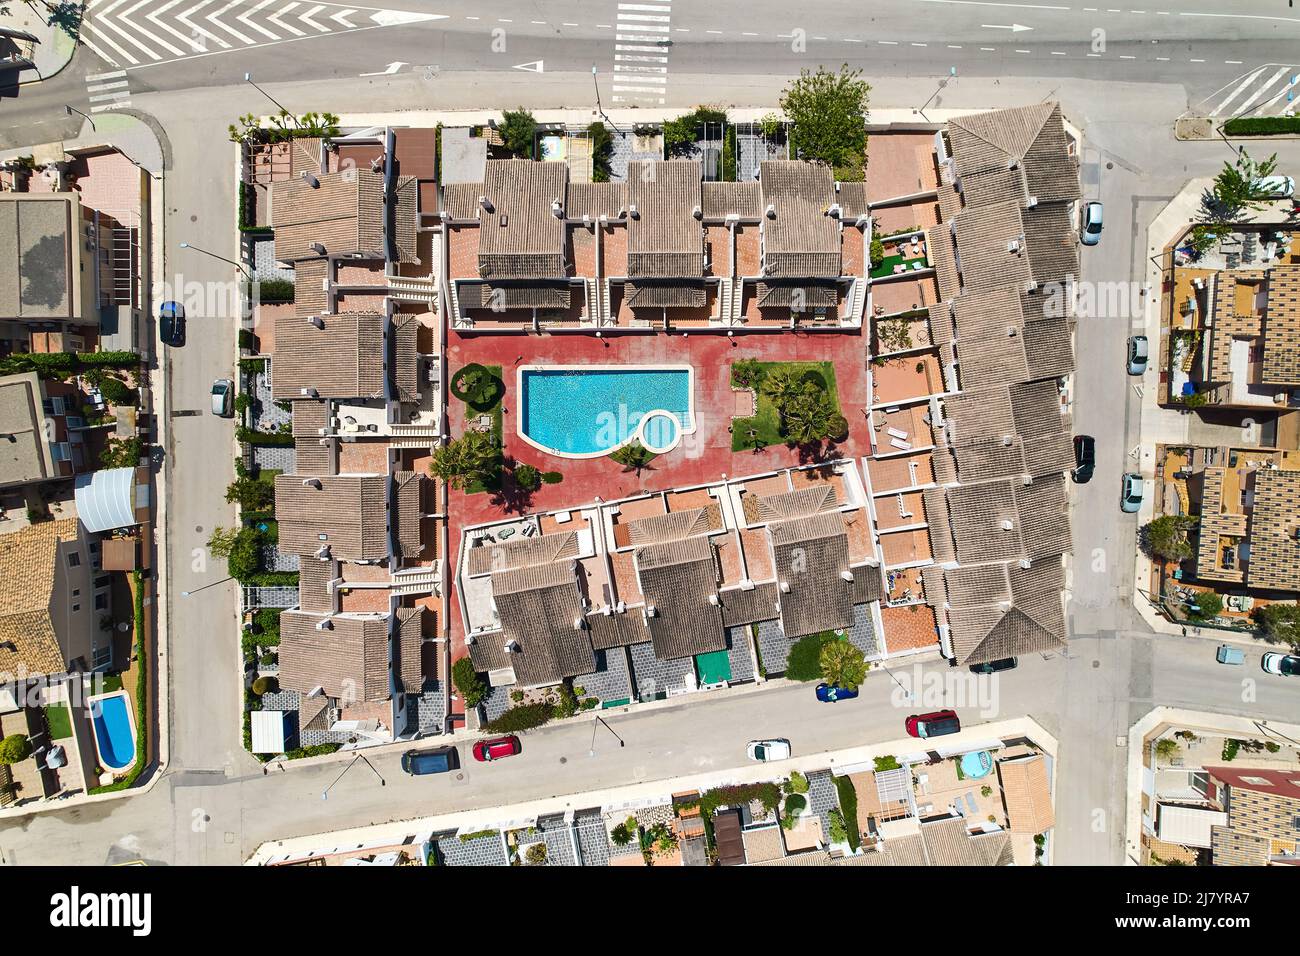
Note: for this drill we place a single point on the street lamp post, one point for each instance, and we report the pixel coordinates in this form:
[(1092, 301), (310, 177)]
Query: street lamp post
[(591, 752), (952, 72), (325, 794), (248, 78), (69, 110), (238, 265), (600, 109), (206, 586)]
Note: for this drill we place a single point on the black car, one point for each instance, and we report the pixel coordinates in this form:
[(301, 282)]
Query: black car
[(992, 667), (171, 323), (439, 760), (1085, 458)]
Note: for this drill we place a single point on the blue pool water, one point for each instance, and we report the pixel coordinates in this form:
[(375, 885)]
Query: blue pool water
[(113, 734), (590, 411), (977, 764)]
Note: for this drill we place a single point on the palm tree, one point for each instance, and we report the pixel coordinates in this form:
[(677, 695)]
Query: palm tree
[(471, 459), (806, 419), (843, 664), (780, 387)]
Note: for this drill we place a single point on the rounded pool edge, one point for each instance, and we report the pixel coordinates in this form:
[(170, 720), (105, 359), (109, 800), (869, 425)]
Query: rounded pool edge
[(130, 724), (683, 428)]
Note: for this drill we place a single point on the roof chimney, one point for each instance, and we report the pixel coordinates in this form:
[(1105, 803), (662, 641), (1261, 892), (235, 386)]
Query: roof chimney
[(323, 552), (1006, 441), (847, 576), (557, 209), (713, 599), (1006, 524), (309, 392), (324, 624), (311, 483), (770, 211), (486, 204), (511, 646), (697, 212), (310, 180), (651, 611), (836, 211), (785, 587), (633, 212), (317, 321), (1026, 563), (469, 639), (579, 624), (317, 248)]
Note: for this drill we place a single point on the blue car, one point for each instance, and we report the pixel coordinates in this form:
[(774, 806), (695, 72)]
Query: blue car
[(829, 694)]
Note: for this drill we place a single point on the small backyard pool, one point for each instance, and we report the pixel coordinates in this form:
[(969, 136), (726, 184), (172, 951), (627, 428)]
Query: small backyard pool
[(976, 765), (110, 715), (592, 410)]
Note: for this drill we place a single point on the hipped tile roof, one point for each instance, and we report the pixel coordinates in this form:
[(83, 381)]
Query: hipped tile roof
[(540, 607), (664, 239), (810, 555), (1033, 138)]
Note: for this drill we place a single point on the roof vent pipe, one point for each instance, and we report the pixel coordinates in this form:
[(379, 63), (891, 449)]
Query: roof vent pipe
[(633, 212), (317, 248), (713, 599), (309, 392), (310, 180), (317, 321), (486, 204), (847, 576), (1006, 524), (785, 587), (469, 639), (311, 483), (770, 211), (836, 211)]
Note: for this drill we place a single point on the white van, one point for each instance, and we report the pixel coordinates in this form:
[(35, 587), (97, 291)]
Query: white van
[(1276, 187)]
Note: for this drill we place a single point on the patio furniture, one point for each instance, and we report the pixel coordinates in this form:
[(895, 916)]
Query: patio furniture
[(897, 433), (507, 533), (563, 517), (970, 802), (900, 444)]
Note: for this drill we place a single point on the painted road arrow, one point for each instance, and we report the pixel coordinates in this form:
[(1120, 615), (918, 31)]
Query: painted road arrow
[(1013, 27), (534, 67), (134, 33)]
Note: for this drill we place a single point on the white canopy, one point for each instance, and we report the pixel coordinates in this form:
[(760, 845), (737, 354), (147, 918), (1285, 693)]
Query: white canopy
[(107, 499)]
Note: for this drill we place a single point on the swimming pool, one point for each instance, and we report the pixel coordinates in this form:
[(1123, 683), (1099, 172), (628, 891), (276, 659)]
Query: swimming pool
[(976, 764), (585, 411), (110, 715)]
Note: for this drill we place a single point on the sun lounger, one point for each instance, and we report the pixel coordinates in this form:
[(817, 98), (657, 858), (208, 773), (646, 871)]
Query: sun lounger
[(897, 433), (901, 445)]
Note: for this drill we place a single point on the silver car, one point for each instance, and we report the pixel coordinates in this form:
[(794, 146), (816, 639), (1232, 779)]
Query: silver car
[(1090, 231), (1137, 354), (1130, 494), (223, 390)]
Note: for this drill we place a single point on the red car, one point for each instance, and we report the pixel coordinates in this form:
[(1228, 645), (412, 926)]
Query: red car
[(933, 725), (486, 751)]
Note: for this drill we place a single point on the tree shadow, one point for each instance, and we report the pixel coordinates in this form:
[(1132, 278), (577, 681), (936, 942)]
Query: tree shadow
[(509, 495)]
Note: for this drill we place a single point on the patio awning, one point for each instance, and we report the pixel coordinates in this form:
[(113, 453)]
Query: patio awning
[(268, 731), (108, 499)]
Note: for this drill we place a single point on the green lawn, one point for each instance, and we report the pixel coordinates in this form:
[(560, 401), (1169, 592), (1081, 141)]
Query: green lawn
[(60, 721), (886, 267), (767, 423), (473, 411)]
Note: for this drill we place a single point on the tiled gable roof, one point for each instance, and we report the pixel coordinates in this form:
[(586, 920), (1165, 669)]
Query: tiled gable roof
[(540, 607), (810, 556), (1032, 138), (342, 358), (802, 241), (732, 199), (28, 561), (349, 510), (521, 238), (348, 660), (595, 200), (664, 239), (1282, 326), (678, 578), (1275, 531)]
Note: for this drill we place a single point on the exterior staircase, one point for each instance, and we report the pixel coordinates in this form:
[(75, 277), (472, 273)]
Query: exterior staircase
[(416, 581)]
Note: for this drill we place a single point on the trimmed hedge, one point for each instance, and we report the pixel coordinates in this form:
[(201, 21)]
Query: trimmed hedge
[(64, 364), (521, 717), (849, 805), (247, 436), (1262, 126), (141, 698)]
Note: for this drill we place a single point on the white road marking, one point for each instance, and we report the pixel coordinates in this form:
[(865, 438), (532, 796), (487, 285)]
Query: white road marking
[(245, 19), (183, 18), (1262, 90), (102, 87), (275, 18), (215, 19), (307, 18)]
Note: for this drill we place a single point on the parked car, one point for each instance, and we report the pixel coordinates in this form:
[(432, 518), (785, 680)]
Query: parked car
[(1275, 187), (1130, 493), (485, 751), (1137, 354), (223, 390), (171, 323), (935, 724), (992, 667), (419, 763), (1090, 232), (1227, 654), (1283, 665), (767, 750), (829, 693), (1085, 458)]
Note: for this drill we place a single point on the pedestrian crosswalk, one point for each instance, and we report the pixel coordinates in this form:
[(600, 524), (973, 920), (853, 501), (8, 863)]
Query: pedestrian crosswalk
[(108, 91), (132, 33), (641, 45), (1270, 90)]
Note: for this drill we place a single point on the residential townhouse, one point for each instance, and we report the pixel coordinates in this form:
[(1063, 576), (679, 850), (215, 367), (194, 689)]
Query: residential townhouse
[(42, 434), (358, 357)]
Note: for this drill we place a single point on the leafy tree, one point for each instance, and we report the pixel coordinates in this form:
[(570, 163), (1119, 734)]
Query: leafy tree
[(252, 494), (877, 251), (468, 460), (117, 392), (829, 113), (518, 131), (222, 541), (843, 664), (1167, 749), (797, 783), (804, 662), (602, 151), (468, 682), (780, 386), (1166, 537), (14, 749), (1208, 605), (1236, 188), (122, 453), (245, 557), (807, 418), (264, 685), (478, 386), (1277, 623), (887, 762), (527, 477), (682, 133)]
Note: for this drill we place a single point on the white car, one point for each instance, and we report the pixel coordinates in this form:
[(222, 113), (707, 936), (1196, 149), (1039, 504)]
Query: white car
[(222, 390), (765, 751), (1283, 665)]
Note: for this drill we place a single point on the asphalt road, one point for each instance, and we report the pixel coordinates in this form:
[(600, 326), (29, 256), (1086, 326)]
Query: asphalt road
[(215, 805)]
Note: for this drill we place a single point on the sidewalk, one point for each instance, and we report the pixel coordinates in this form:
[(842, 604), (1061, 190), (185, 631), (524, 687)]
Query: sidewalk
[(390, 834), (54, 47)]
